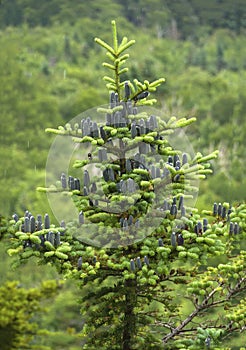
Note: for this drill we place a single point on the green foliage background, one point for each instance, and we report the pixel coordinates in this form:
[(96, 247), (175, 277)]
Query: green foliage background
[(50, 71)]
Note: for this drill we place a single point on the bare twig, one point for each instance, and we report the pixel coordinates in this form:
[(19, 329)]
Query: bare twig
[(205, 304)]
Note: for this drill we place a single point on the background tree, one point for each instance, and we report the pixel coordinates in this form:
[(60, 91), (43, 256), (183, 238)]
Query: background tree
[(142, 255), (20, 309), (33, 307), (40, 84)]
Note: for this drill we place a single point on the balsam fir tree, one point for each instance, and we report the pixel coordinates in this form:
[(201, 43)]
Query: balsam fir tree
[(154, 272)]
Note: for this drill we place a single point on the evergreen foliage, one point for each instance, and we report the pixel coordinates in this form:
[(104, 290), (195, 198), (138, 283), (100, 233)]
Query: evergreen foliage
[(20, 309), (179, 19), (49, 73), (147, 271)]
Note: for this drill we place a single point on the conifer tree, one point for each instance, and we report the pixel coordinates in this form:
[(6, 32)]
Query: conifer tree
[(20, 310), (154, 272)]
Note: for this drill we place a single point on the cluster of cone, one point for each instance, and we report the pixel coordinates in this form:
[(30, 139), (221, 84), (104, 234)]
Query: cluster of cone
[(32, 225)]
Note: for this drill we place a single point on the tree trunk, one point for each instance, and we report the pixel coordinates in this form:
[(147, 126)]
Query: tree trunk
[(129, 325)]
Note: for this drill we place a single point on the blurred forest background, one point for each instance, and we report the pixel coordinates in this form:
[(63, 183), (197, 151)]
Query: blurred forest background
[(50, 71)]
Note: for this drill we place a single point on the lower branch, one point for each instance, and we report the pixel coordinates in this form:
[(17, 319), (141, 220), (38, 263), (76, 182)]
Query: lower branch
[(199, 308), (203, 306)]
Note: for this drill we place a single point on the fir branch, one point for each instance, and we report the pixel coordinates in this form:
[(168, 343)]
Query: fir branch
[(199, 307), (115, 39), (207, 303), (105, 45), (126, 46)]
